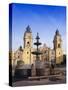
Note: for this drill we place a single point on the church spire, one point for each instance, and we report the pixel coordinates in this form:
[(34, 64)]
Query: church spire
[(28, 29), (57, 32)]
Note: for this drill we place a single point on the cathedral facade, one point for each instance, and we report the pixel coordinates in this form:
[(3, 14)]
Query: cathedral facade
[(48, 54)]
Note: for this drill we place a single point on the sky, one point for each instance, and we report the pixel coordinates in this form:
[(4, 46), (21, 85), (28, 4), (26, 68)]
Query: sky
[(44, 19)]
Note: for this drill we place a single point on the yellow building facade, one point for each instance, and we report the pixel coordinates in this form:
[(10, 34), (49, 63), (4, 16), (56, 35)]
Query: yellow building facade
[(27, 48), (47, 53), (58, 47)]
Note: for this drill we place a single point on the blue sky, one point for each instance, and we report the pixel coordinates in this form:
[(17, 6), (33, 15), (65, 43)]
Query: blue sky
[(44, 19)]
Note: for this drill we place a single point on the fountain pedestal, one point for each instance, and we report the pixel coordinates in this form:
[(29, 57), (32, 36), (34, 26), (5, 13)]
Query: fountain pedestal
[(33, 70)]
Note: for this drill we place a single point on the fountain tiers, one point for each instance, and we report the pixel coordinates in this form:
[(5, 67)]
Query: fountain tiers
[(38, 67)]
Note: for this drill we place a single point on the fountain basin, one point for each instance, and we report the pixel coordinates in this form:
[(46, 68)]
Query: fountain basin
[(37, 43)]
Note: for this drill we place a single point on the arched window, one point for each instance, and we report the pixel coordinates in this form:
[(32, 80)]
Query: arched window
[(58, 45), (27, 52), (27, 42)]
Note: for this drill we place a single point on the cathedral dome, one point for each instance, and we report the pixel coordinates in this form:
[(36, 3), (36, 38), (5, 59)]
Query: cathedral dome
[(20, 48), (28, 29), (57, 32)]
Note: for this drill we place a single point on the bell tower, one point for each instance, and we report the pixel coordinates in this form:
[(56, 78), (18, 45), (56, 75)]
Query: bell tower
[(27, 45), (28, 37), (57, 42)]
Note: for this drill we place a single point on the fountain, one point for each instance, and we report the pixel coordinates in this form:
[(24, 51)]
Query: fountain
[(37, 68), (37, 52), (41, 68)]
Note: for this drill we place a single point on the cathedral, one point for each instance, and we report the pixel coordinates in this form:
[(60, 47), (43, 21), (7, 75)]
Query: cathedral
[(48, 54)]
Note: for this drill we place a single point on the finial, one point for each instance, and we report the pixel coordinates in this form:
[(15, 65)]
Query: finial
[(37, 34), (37, 37)]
